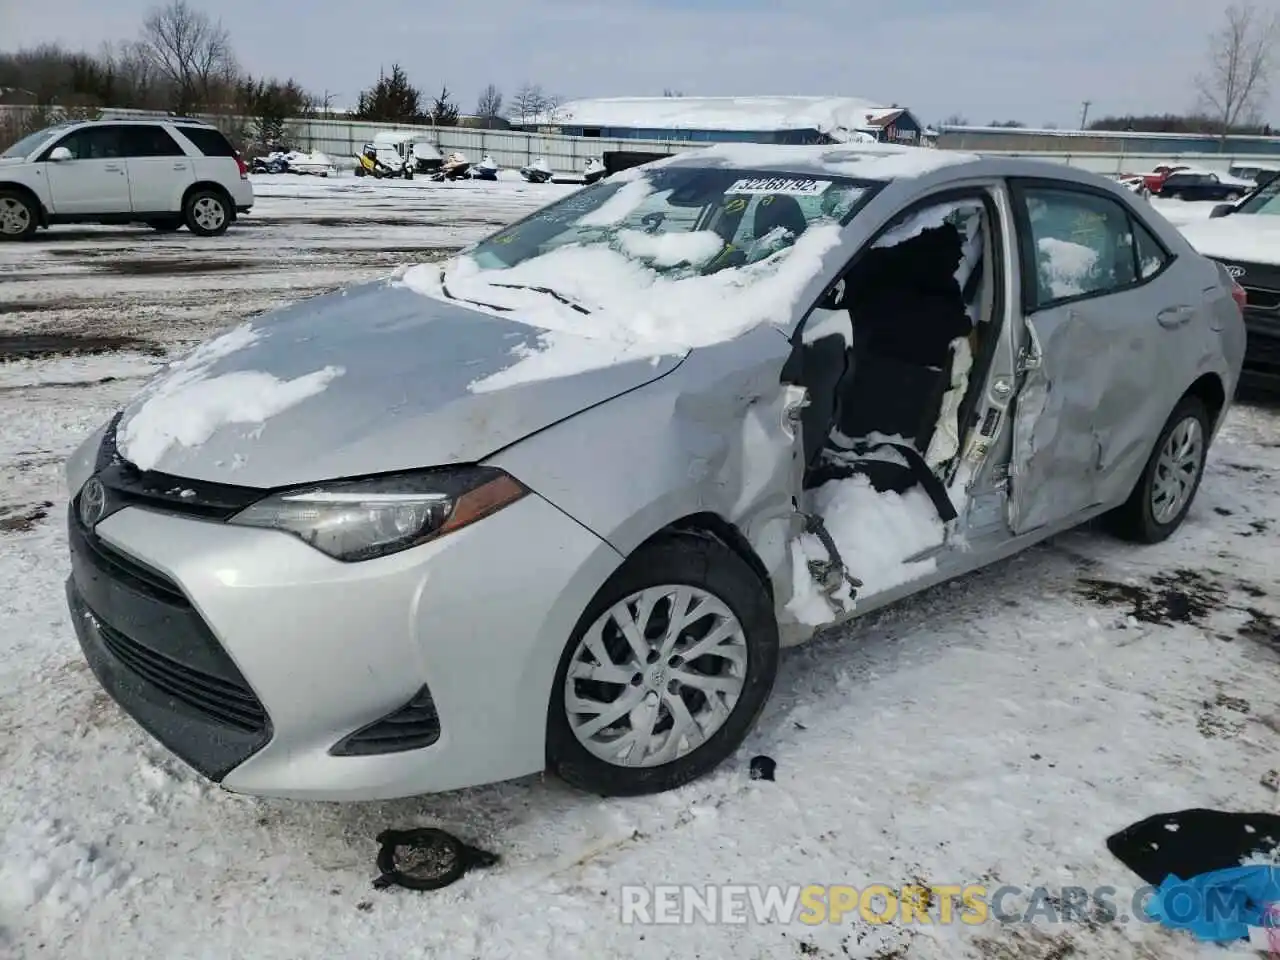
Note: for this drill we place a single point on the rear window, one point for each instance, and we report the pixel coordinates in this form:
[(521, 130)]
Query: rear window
[(209, 141)]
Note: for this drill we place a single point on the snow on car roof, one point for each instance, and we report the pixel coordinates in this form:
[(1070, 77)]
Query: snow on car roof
[(868, 161)]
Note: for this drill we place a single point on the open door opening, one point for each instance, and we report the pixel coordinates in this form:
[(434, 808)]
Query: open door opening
[(894, 360)]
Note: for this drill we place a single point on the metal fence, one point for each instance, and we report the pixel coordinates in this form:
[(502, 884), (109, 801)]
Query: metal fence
[(342, 138)]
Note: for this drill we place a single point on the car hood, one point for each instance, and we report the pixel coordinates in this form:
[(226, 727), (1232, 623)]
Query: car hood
[(372, 379), (1242, 237)]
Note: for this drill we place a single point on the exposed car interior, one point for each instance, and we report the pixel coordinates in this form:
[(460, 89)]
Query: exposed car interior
[(894, 356)]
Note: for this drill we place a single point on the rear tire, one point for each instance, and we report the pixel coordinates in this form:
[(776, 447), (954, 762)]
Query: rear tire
[(207, 213), (1169, 482), (19, 216), (714, 697)]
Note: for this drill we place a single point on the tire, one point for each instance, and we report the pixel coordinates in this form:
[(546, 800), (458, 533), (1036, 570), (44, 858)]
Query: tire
[(408, 173), (19, 215), (1139, 520), (207, 213), (705, 571), (166, 225), (360, 171)]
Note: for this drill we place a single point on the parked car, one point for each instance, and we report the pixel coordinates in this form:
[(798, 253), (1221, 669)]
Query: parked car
[(1187, 185), (1260, 174), (166, 173), (558, 501), (1245, 237), (1156, 178), (1134, 183)]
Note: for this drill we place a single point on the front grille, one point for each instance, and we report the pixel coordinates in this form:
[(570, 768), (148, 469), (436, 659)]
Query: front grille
[(128, 571), (153, 652), (411, 727), (229, 703)]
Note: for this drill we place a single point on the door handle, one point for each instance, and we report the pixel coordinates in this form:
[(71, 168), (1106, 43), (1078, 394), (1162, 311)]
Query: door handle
[(1171, 317), (113, 168), (179, 166)]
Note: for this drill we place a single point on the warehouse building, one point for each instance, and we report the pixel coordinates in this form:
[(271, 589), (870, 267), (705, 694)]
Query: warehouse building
[(787, 120)]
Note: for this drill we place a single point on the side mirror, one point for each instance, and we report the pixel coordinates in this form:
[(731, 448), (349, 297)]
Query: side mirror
[(60, 154), (1222, 210)]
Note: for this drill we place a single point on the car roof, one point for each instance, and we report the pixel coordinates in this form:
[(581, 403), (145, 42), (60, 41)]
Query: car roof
[(880, 161), (129, 118)]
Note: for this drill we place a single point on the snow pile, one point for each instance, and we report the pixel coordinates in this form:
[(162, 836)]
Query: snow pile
[(44, 867), (876, 532), (871, 161), (186, 406), (1065, 266), (670, 249)]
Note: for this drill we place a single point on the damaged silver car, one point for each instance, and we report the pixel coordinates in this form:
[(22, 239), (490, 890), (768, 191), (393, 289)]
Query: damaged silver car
[(559, 501)]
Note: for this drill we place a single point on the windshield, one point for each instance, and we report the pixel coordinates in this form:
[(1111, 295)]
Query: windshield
[(674, 255), (681, 221), (28, 144), (1264, 200)]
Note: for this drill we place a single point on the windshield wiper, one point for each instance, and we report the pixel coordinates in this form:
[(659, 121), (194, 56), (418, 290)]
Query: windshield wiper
[(548, 291), (475, 303)]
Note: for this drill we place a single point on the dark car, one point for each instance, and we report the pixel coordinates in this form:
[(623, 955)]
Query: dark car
[(1199, 186), (1245, 237)]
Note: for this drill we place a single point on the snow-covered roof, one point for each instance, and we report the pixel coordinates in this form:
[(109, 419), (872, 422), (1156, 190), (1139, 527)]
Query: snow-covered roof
[(829, 115)]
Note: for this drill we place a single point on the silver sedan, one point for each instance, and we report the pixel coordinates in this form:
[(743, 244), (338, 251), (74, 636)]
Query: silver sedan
[(559, 501)]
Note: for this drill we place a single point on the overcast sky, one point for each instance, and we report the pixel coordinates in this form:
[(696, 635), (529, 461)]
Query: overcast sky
[(1030, 60)]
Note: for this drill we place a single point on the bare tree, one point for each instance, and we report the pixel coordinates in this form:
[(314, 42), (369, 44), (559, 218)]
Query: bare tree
[(529, 102), (551, 105), (191, 50), (1241, 60), (490, 102)]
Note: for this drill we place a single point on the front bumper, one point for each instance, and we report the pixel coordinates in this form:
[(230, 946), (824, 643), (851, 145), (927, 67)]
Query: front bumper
[(1261, 369), (255, 620)]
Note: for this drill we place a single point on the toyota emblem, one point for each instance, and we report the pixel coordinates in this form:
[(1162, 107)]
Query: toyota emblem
[(93, 502), (1235, 271)]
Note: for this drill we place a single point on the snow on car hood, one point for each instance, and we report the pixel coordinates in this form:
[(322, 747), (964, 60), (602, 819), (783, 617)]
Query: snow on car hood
[(1244, 237), (368, 380)]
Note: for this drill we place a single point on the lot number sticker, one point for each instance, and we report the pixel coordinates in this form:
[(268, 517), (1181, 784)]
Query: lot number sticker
[(788, 186)]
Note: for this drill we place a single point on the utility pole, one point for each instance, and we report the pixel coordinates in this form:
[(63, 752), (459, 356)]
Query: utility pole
[(1084, 114)]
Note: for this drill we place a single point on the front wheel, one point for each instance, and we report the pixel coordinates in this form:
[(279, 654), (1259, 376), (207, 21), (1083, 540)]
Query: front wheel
[(207, 213), (666, 671), (1163, 495)]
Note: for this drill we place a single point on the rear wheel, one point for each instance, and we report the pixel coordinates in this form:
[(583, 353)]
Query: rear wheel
[(18, 216), (1163, 495), (666, 671), (207, 213)]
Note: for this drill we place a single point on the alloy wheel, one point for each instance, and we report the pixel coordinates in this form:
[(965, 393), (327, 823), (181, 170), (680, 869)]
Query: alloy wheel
[(15, 217), (1177, 469), (209, 213), (655, 676)]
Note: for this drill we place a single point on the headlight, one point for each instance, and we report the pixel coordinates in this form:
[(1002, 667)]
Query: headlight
[(361, 519)]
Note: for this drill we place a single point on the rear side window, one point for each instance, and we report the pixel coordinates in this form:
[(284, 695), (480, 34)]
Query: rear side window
[(209, 141), (1081, 244), (149, 141)]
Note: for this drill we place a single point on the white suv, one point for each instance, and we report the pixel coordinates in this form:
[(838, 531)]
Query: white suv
[(163, 172)]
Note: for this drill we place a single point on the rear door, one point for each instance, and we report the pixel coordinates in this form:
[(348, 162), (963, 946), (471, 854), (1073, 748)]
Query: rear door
[(159, 169), (95, 180), (1103, 331)]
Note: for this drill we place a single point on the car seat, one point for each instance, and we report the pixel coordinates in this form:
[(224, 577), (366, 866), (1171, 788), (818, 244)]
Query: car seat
[(778, 210)]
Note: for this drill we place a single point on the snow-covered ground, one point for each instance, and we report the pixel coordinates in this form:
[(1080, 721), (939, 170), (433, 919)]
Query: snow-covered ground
[(994, 731), (1179, 212)]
